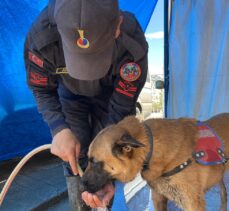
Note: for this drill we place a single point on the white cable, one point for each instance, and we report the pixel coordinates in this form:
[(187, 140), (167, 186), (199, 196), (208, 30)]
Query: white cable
[(20, 165)]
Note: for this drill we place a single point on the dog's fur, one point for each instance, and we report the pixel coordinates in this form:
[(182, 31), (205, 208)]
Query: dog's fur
[(119, 151)]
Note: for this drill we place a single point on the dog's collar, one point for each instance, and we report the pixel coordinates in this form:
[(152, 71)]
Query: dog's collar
[(149, 154)]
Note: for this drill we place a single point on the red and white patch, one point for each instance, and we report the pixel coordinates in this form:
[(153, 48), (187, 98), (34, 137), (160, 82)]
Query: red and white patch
[(209, 148), (126, 88), (130, 71), (38, 79), (35, 59)]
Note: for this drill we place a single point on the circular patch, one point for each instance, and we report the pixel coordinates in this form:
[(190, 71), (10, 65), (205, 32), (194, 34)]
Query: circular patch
[(130, 71), (83, 43)]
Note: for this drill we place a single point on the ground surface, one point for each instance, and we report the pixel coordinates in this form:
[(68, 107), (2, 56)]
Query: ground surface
[(41, 186)]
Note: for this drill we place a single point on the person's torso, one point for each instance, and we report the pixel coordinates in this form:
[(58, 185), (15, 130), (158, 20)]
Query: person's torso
[(44, 39)]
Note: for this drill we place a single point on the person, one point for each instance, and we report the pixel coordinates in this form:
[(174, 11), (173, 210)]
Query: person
[(86, 63)]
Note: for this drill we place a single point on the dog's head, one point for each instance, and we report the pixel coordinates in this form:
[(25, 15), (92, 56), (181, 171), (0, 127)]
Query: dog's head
[(114, 154)]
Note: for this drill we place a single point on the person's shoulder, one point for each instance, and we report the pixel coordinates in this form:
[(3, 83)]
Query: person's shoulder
[(42, 32), (39, 23), (132, 28), (129, 22), (132, 36)]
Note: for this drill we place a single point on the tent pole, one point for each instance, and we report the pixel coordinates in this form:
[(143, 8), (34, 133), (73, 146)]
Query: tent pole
[(166, 54)]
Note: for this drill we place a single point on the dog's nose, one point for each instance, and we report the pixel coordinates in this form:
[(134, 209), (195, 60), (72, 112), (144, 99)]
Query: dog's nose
[(83, 185), (86, 185)]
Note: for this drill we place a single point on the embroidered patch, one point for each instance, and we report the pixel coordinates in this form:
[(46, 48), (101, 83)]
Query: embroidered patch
[(126, 88), (208, 149), (38, 79), (82, 42), (130, 71), (35, 59)]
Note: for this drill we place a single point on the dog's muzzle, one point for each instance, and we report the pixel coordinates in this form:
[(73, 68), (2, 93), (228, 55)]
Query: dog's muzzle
[(94, 178)]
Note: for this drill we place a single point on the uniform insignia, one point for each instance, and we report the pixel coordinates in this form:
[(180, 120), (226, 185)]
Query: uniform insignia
[(35, 59), (82, 42), (61, 70), (38, 79), (126, 88), (130, 71)]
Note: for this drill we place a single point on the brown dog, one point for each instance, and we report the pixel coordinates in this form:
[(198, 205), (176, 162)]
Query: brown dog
[(121, 151)]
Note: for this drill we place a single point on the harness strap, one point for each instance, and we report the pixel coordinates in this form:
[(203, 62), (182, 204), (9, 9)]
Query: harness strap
[(178, 168)]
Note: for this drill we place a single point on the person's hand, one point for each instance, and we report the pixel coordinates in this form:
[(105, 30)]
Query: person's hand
[(66, 146), (100, 198)]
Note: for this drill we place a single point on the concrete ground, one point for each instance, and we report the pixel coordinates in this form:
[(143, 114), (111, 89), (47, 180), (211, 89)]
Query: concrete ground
[(40, 181), (41, 186)]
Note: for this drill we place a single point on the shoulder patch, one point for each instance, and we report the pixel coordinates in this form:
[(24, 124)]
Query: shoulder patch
[(126, 88), (130, 71), (38, 79), (35, 59)]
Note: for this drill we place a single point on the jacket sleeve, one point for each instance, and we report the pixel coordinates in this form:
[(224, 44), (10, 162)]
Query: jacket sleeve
[(127, 89), (44, 87)]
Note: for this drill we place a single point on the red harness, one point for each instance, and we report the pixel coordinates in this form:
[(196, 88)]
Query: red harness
[(209, 149)]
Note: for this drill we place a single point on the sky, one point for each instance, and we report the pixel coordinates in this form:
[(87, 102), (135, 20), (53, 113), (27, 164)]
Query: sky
[(155, 37)]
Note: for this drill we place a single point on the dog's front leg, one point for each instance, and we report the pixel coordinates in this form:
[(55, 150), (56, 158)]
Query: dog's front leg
[(223, 194), (194, 204), (159, 201)]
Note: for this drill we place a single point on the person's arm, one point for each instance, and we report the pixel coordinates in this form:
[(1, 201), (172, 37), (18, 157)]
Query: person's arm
[(44, 87), (126, 92)]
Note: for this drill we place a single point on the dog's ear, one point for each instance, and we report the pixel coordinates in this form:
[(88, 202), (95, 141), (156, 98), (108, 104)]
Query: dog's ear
[(126, 144)]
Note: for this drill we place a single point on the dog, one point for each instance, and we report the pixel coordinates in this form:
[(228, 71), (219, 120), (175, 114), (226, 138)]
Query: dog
[(163, 150)]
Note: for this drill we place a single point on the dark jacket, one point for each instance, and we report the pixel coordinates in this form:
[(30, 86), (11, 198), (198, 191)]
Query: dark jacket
[(46, 72)]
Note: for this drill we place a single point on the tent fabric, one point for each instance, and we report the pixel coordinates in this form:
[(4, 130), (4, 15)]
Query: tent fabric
[(198, 56), (21, 127), (143, 9)]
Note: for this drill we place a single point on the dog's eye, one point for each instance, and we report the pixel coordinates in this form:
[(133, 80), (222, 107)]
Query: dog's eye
[(127, 148)]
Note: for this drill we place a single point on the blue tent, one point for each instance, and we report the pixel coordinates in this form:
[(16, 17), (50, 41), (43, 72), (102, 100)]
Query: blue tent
[(197, 53), (197, 69), (21, 127), (198, 59)]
